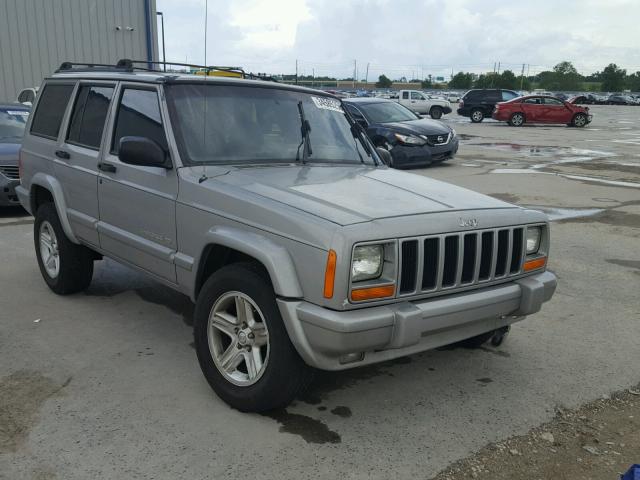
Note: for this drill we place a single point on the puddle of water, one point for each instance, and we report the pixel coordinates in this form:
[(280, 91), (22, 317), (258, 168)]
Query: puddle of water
[(564, 213), (616, 183), (344, 412), (475, 165), (310, 429), (545, 151)]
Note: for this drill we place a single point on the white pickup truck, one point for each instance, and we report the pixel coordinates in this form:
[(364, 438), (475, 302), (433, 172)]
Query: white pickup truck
[(422, 103)]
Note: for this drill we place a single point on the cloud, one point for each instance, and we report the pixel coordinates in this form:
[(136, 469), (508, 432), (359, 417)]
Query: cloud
[(405, 37)]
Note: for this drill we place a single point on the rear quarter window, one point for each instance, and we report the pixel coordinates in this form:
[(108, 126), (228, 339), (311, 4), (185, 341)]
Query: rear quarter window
[(50, 110)]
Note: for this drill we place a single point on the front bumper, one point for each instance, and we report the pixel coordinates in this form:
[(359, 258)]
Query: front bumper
[(323, 337), (420, 156), (8, 196)]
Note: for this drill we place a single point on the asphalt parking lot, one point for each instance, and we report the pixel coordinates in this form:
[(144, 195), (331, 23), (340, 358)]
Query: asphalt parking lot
[(106, 384)]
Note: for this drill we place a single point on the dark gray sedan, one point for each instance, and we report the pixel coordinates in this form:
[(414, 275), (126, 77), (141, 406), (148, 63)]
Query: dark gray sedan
[(13, 118)]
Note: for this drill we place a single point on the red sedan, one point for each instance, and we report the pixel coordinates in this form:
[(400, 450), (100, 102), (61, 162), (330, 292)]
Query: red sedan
[(541, 109)]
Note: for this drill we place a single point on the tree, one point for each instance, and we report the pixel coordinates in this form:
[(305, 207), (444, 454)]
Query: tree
[(507, 79), (633, 82), (613, 78), (566, 76), (486, 80), (383, 82), (461, 80), (426, 83)]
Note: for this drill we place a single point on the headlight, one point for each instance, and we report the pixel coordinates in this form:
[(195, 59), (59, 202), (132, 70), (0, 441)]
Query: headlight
[(453, 132), (533, 239), (367, 262), (410, 139)]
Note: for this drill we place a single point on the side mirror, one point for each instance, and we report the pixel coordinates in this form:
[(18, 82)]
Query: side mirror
[(384, 155), (142, 151)]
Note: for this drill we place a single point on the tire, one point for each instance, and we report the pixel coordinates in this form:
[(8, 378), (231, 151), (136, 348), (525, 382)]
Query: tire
[(477, 115), (579, 120), (517, 119), (66, 267), (245, 383), (477, 341), (435, 113)]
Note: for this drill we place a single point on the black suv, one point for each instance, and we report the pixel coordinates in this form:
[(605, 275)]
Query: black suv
[(477, 104)]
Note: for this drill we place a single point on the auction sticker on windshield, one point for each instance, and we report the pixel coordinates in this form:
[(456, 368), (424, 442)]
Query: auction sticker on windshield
[(327, 103)]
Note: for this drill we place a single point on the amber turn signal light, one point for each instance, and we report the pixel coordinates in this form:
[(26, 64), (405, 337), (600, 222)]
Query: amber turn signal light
[(535, 264), (372, 292), (330, 274)]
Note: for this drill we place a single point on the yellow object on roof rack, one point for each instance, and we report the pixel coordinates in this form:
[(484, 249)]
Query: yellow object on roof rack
[(221, 72)]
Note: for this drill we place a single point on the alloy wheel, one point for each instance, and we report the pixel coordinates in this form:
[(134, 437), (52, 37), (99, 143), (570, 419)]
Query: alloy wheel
[(238, 338), (49, 253)]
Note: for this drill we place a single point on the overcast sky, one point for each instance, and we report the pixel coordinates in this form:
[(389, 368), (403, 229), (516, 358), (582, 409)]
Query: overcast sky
[(403, 37)]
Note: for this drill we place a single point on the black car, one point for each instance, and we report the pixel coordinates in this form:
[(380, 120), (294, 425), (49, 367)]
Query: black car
[(588, 99), (13, 118), (478, 104), (410, 139)]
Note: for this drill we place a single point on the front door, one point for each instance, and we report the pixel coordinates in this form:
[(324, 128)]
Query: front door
[(137, 203), (556, 111)]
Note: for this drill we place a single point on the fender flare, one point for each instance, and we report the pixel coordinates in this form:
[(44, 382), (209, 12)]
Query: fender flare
[(53, 186), (275, 258)]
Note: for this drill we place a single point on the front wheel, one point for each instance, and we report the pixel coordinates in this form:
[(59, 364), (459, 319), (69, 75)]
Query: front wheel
[(435, 113), (516, 120), (477, 115), (580, 120), (242, 344), (66, 267)]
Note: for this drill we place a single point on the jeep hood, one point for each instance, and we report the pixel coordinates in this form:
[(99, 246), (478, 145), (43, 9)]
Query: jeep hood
[(354, 194)]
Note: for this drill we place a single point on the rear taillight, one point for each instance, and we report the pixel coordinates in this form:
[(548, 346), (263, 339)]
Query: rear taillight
[(20, 163), (461, 104)]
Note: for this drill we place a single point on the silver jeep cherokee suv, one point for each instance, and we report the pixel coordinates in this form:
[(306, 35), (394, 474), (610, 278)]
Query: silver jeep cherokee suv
[(268, 206)]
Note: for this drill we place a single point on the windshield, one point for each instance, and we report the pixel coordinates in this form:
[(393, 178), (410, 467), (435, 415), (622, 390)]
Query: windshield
[(386, 112), (12, 123), (239, 124)]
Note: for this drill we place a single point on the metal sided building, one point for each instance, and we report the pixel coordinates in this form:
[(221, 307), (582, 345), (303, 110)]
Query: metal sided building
[(36, 36)]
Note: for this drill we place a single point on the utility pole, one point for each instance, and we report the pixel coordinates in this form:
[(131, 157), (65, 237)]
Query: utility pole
[(296, 71), (206, 6), (355, 72), (522, 77), (164, 55), (498, 68), (366, 77), (313, 77)]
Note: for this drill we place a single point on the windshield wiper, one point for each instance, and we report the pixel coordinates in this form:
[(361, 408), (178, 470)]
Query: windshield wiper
[(305, 128)]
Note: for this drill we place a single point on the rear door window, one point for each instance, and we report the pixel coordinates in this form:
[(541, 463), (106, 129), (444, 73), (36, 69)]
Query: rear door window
[(139, 116), (89, 115), (51, 107)]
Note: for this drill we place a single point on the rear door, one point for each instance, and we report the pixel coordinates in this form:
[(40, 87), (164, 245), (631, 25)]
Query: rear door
[(532, 108), (77, 158), (137, 203)]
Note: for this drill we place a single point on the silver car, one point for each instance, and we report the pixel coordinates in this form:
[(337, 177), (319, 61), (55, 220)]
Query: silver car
[(268, 206)]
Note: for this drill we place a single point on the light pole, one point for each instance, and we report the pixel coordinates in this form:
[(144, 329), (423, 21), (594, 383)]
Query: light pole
[(164, 55)]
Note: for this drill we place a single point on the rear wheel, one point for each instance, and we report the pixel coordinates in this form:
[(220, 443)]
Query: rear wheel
[(65, 266), (477, 115), (435, 112), (516, 120), (579, 120), (242, 345)]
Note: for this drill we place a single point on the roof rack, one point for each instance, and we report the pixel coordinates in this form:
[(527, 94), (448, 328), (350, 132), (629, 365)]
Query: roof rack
[(128, 65)]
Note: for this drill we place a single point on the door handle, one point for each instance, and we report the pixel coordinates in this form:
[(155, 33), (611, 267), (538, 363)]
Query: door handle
[(107, 167), (63, 154)]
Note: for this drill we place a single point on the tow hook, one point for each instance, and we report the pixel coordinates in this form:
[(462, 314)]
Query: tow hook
[(499, 336)]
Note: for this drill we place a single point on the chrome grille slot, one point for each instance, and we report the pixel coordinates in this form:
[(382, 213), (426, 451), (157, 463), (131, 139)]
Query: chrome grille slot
[(450, 270), (10, 171), (469, 258), (503, 253), (430, 268), (460, 260), (409, 269), (486, 259)]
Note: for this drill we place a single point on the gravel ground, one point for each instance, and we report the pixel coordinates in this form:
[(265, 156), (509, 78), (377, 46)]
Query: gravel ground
[(105, 384)]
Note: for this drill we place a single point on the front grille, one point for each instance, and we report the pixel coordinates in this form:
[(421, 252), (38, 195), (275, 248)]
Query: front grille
[(440, 139), (449, 261), (10, 171)]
